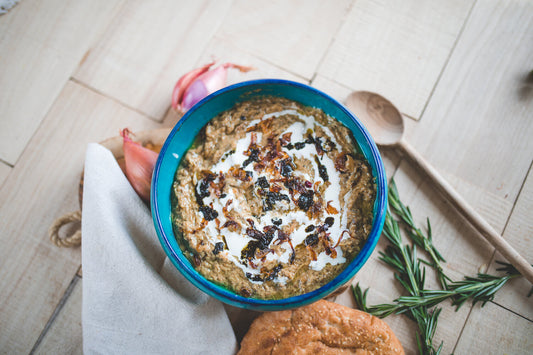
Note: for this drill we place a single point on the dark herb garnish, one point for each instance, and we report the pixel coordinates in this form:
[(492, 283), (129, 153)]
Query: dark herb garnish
[(209, 213), (218, 248), (253, 157), (274, 273), (322, 170), (311, 239), (202, 187), (271, 198), (261, 243), (265, 276), (276, 221), (306, 200), (263, 238), (227, 154), (269, 235), (286, 168), (254, 233), (310, 228), (318, 146), (262, 182), (293, 256), (248, 252), (329, 221), (299, 145), (295, 184), (256, 277)]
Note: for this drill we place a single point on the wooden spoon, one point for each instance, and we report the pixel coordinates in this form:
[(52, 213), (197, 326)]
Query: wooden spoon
[(385, 124)]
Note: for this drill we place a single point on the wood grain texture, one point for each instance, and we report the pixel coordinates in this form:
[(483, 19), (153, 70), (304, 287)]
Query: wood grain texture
[(4, 172), (466, 211), (147, 48), (493, 330), (65, 333), (34, 273), (41, 45), (291, 34), (464, 254), (460, 70), (519, 232), (226, 51), (477, 125), (396, 48)]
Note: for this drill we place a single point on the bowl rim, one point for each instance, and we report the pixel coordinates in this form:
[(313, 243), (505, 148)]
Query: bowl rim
[(229, 297)]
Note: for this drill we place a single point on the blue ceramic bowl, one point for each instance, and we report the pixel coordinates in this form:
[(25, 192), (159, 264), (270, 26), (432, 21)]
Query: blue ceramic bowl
[(181, 138)]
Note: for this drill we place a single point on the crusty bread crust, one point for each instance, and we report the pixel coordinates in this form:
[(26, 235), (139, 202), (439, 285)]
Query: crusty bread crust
[(320, 328)]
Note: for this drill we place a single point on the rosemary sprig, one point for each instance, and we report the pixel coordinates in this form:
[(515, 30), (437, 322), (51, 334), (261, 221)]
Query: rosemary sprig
[(477, 289), (427, 325), (420, 303), (402, 258), (416, 234)]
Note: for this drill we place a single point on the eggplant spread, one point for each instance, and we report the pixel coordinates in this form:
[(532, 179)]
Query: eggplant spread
[(273, 199)]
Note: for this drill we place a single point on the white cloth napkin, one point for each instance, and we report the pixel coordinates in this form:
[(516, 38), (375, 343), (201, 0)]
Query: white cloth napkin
[(134, 300)]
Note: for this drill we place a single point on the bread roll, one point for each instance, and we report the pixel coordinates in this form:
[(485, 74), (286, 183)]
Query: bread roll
[(320, 328)]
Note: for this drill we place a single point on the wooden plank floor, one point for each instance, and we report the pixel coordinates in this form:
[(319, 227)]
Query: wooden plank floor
[(74, 72)]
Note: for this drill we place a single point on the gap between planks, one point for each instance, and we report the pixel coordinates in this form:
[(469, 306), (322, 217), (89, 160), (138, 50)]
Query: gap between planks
[(57, 310), (136, 110), (459, 35)]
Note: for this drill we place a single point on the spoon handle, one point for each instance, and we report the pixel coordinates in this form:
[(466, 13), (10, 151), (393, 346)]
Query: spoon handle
[(470, 214)]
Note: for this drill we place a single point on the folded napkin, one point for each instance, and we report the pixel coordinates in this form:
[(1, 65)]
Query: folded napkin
[(134, 300)]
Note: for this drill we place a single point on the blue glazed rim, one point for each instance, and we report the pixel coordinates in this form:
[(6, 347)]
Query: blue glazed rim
[(168, 160)]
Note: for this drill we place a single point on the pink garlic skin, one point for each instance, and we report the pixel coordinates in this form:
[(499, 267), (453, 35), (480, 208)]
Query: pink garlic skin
[(195, 93), (204, 85), (207, 83), (185, 82), (140, 162)]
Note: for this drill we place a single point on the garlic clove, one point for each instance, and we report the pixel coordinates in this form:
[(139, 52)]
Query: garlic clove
[(205, 83), (139, 165), (184, 82)]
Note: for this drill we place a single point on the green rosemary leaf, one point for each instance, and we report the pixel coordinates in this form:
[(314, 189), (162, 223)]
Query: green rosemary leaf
[(416, 234), (511, 270), (360, 297), (420, 303), (380, 310)]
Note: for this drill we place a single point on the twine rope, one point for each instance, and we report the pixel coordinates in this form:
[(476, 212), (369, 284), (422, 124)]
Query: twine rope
[(68, 241)]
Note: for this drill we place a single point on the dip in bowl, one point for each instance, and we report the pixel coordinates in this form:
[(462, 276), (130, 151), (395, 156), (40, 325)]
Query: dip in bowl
[(293, 238)]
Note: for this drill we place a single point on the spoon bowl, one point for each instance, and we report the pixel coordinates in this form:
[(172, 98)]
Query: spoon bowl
[(379, 115), (385, 123)]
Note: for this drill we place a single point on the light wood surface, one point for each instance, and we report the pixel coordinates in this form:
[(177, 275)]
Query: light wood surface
[(396, 48), (385, 124), (74, 72), (41, 45), (483, 227)]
